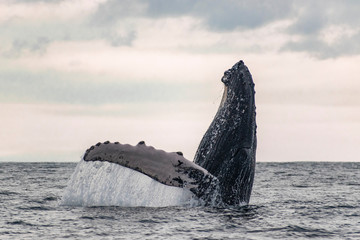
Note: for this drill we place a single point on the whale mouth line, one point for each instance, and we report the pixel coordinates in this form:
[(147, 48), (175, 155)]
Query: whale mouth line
[(224, 97)]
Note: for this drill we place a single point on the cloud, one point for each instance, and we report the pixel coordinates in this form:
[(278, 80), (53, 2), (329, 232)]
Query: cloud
[(231, 15), (110, 12), (224, 15), (319, 48), (316, 22), (38, 45), (122, 23), (32, 26), (310, 20), (21, 36)]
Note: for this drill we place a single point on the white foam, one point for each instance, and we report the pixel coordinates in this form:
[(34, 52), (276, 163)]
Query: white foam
[(109, 184)]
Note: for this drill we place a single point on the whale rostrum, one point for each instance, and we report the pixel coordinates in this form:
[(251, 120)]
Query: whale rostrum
[(170, 168), (224, 164)]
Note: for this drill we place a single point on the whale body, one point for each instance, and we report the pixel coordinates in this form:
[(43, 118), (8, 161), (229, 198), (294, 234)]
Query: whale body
[(223, 169), (228, 148)]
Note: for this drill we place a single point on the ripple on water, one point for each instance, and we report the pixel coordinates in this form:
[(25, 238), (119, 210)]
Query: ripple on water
[(19, 222), (8, 193), (299, 231), (48, 199), (281, 208), (36, 208)]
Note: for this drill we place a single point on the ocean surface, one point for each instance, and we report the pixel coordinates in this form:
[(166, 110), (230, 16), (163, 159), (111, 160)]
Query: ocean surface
[(301, 200)]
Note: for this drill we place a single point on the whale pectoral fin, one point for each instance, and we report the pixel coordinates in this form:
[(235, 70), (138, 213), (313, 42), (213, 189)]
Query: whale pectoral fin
[(168, 168)]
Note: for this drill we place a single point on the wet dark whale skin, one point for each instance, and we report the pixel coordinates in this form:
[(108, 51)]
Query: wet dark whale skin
[(228, 148)]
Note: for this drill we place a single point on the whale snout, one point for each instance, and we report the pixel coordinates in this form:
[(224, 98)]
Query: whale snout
[(226, 78), (233, 74), (238, 65)]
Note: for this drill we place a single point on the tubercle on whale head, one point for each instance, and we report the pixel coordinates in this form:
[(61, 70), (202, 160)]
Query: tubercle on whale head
[(228, 74), (238, 87), (235, 77)]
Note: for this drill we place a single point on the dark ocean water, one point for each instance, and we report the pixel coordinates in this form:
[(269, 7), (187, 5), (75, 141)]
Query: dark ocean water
[(299, 200)]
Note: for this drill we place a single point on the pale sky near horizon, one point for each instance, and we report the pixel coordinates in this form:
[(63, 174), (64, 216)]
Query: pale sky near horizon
[(73, 73)]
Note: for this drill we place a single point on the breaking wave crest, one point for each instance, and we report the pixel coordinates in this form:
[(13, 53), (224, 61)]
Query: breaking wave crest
[(109, 184)]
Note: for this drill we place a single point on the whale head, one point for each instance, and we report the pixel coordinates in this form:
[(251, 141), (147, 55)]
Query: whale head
[(239, 99), (227, 149)]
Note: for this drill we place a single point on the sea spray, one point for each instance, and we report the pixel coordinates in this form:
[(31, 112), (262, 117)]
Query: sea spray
[(109, 184)]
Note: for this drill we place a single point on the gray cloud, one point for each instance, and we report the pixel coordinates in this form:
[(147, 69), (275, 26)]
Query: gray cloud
[(230, 15), (314, 18), (110, 12), (22, 35), (346, 46), (243, 15), (223, 15), (160, 8), (122, 40), (37, 45), (310, 20)]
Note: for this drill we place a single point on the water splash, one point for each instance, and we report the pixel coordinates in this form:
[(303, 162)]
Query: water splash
[(109, 184)]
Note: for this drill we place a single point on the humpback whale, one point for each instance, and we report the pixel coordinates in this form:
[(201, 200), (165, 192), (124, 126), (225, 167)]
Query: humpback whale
[(224, 164)]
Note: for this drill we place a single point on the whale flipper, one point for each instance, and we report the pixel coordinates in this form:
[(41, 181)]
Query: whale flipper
[(168, 168), (228, 148)]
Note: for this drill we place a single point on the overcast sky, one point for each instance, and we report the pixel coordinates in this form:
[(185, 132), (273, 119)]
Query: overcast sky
[(76, 72)]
